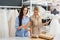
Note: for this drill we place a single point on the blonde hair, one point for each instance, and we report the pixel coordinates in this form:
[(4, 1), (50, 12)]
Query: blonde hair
[(36, 8)]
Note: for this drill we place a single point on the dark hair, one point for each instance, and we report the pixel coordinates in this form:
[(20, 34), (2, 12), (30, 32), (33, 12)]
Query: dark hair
[(21, 15)]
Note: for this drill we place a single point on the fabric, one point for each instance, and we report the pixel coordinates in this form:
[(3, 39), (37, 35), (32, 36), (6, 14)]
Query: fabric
[(55, 25), (12, 14), (4, 31), (22, 32)]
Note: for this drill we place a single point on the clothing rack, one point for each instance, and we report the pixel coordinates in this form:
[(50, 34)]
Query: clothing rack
[(11, 7)]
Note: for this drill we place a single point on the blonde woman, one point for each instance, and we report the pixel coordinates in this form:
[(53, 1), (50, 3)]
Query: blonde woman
[(36, 25), (35, 22)]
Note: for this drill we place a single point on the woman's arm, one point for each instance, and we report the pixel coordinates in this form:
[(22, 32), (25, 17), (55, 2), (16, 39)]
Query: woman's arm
[(41, 24), (26, 26), (17, 24), (19, 27)]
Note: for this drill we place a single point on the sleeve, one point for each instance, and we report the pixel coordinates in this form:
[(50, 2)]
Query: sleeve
[(16, 23)]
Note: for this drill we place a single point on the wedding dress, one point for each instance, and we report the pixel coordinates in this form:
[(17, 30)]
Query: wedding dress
[(12, 14), (55, 26), (4, 32)]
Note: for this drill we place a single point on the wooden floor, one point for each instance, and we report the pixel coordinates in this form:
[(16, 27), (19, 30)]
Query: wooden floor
[(37, 39)]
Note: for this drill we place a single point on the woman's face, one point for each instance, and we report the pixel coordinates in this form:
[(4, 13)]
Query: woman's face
[(25, 11), (36, 12)]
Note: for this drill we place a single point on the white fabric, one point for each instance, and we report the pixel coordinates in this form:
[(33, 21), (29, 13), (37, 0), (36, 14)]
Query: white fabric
[(55, 26), (57, 37), (11, 22), (7, 22), (4, 32)]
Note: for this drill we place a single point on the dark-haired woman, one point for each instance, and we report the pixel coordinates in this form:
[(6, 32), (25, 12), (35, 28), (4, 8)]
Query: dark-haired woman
[(22, 23)]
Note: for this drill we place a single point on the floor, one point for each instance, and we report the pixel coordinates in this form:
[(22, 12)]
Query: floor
[(20, 38)]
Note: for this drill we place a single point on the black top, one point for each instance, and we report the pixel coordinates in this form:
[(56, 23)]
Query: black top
[(54, 12)]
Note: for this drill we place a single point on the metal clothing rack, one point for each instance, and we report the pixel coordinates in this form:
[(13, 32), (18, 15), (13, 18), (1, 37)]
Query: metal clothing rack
[(10, 6)]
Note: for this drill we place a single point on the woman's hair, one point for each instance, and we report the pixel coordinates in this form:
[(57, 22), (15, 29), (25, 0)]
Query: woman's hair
[(36, 8), (21, 15)]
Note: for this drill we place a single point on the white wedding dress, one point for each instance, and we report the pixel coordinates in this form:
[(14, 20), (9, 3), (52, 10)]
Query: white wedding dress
[(55, 26), (4, 31), (12, 14), (7, 22)]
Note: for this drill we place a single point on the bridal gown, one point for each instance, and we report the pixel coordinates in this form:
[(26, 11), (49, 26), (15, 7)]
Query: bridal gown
[(12, 14), (55, 26), (4, 31), (7, 22)]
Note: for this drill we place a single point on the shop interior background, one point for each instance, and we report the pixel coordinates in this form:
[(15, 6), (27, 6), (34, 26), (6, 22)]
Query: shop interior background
[(9, 10)]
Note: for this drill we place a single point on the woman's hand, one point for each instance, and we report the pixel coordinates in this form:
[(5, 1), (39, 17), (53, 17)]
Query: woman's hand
[(19, 27), (26, 26)]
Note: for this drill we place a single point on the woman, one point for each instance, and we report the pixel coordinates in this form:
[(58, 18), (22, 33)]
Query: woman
[(36, 25), (35, 22), (22, 23)]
